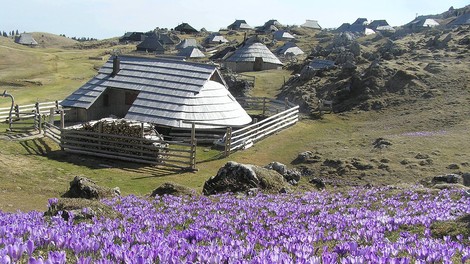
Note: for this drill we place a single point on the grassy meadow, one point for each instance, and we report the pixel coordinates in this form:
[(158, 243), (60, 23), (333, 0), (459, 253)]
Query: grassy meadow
[(34, 169)]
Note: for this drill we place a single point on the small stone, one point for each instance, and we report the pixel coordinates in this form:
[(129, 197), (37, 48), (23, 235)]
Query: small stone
[(318, 183), (426, 162), (405, 162), (453, 166), (385, 160), (421, 156)]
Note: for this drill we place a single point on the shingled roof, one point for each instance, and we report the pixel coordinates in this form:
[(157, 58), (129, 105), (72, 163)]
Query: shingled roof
[(171, 92), (250, 52), (26, 39)]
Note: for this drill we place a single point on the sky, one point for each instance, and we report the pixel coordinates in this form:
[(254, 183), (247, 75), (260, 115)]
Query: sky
[(103, 19)]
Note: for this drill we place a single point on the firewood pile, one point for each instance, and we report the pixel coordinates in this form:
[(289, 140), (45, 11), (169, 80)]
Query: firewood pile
[(129, 136)]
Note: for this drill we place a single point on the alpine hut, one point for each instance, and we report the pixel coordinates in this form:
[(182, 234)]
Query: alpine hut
[(422, 22), (26, 39), (188, 43), (167, 93), (239, 24), (191, 52), (215, 38), (132, 36), (313, 24), (151, 44), (289, 49), (283, 35), (252, 57), (461, 20), (186, 28)]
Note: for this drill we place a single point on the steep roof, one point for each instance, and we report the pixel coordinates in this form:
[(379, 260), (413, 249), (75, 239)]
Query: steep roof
[(26, 39), (281, 34), (318, 64), (461, 20), (216, 38), (289, 48), (170, 92), (311, 24), (151, 43), (250, 52), (188, 43), (191, 52), (378, 23), (239, 24), (186, 28), (424, 22)]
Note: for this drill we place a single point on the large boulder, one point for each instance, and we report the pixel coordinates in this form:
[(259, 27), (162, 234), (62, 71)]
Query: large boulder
[(241, 178), (174, 189), (81, 187)]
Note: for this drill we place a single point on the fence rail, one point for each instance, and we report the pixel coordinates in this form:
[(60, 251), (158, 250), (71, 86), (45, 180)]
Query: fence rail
[(163, 153), (28, 111)]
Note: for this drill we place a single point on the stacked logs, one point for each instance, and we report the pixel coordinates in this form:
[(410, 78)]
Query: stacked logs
[(121, 136)]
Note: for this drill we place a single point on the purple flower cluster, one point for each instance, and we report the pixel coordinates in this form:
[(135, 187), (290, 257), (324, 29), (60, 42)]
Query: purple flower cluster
[(380, 225)]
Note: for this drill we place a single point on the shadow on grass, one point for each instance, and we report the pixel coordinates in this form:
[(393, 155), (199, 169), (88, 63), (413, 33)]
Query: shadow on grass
[(40, 146)]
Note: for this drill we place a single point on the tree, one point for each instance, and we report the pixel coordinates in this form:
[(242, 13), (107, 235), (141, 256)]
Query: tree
[(17, 32)]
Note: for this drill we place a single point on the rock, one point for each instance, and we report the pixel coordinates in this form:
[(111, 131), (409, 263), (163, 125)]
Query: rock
[(453, 166), (170, 188), (318, 183), (466, 179), (448, 178), (451, 186), (81, 187), (235, 178), (361, 165), (292, 176), (307, 157), (80, 209), (405, 162), (333, 163), (381, 143), (421, 156), (426, 162)]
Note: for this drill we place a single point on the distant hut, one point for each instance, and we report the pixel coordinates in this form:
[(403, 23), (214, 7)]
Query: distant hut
[(132, 37), (283, 35), (289, 49), (252, 57), (422, 22), (239, 24), (167, 93), (223, 54), (186, 29), (26, 39), (151, 44), (381, 25), (270, 26), (191, 52), (188, 43), (461, 20), (312, 24), (215, 38)]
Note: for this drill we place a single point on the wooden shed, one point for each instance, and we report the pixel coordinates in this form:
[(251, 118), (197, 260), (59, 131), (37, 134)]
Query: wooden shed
[(252, 57), (164, 92)]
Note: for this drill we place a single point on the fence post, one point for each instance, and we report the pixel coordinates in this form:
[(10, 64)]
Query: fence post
[(51, 116), (264, 106), (286, 103), (37, 117), (56, 104), (17, 111), (193, 147), (62, 119), (228, 141)]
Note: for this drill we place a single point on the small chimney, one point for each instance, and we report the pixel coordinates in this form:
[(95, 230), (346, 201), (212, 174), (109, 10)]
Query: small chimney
[(116, 66)]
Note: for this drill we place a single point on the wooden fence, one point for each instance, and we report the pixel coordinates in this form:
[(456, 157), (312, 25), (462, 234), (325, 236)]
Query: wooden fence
[(171, 154), (282, 114), (31, 109)]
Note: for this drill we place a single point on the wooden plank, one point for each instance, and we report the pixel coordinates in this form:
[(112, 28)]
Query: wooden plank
[(100, 151), (274, 117), (117, 147)]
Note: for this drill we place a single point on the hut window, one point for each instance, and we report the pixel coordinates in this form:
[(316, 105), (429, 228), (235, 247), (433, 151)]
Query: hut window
[(130, 98), (105, 99)]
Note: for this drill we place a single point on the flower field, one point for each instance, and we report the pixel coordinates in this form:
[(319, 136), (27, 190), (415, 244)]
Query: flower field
[(378, 225)]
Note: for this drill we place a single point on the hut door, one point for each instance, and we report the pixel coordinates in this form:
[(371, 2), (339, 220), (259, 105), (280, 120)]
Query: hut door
[(258, 66)]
